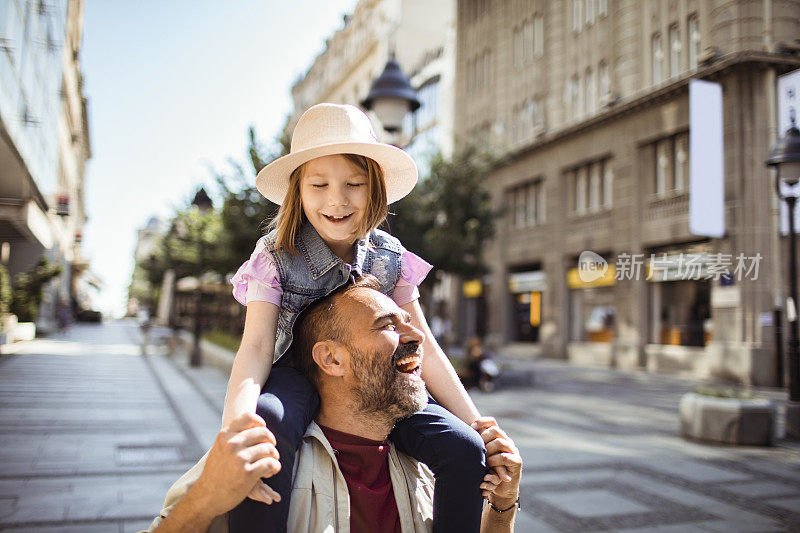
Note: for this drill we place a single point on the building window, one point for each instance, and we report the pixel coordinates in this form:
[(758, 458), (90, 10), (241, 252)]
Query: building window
[(591, 187), (603, 80), (590, 91), (527, 31), (580, 191), (538, 36), (602, 8), (574, 97), (576, 15), (670, 164), (608, 184), (527, 204), (657, 59), (681, 164), (674, 51), (428, 95), (487, 68), (589, 12), (517, 47), (694, 40)]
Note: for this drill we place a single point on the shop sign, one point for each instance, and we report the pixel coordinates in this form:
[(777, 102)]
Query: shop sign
[(472, 288), (536, 308), (725, 296), (606, 279), (534, 280)]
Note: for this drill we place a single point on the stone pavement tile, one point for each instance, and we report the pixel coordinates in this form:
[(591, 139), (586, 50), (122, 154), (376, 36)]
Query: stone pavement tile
[(786, 468), (674, 493), (532, 477), (205, 419), (675, 528), (739, 520), (527, 523), (66, 528), (7, 505), (40, 512), (729, 526), (695, 471), (558, 455), (135, 526), (790, 504), (761, 489), (591, 503)]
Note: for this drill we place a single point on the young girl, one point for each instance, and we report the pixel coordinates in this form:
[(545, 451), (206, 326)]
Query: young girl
[(333, 189)]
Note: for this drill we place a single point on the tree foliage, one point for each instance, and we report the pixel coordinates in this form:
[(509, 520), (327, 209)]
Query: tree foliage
[(245, 212), (5, 292), (29, 289), (448, 216)]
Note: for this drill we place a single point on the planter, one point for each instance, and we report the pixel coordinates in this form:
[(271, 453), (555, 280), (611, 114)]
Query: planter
[(726, 420)]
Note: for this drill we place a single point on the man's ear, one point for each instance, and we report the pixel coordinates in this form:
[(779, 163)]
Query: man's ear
[(330, 357)]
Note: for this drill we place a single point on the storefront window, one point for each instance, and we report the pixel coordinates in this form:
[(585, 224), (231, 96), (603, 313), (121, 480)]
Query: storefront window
[(592, 314), (526, 292), (682, 312)]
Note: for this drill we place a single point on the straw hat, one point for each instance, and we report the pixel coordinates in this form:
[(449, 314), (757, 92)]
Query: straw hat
[(327, 129)]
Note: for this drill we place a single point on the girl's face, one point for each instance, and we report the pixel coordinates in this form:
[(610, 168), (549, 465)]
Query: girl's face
[(334, 195)]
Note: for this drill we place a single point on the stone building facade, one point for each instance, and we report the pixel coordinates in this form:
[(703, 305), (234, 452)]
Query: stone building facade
[(421, 34), (588, 102), (44, 143)]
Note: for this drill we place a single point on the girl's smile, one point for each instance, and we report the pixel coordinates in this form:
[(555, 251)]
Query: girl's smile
[(334, 195)]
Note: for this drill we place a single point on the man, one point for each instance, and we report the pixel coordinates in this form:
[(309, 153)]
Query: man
[(362, 353)]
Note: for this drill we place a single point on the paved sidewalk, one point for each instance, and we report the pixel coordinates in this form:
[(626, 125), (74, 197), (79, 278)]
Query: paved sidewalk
[(92, 434)]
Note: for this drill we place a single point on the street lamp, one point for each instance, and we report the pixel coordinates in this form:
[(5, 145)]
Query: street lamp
[(203, 204), (785, 158), (391, 97)]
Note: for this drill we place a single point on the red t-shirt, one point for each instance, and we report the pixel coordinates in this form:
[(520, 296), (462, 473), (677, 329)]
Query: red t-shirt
[(365, 466)]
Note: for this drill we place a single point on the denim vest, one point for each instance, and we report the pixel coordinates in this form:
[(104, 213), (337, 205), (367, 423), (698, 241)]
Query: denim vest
[(317, 271)]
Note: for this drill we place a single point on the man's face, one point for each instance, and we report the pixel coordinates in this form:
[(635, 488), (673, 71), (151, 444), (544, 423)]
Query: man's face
[(386, 357)]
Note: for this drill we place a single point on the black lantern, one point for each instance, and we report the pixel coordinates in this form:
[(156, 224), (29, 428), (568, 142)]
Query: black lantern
[(202, 201), (391, 97), (785, 158)]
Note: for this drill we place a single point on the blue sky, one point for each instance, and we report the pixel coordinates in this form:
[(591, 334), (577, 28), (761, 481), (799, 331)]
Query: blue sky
[(172, 88)]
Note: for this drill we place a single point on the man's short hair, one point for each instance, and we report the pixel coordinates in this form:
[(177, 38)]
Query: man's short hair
[(318, 322)]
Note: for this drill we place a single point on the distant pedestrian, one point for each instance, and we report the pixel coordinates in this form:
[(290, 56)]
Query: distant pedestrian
[(334, 188)]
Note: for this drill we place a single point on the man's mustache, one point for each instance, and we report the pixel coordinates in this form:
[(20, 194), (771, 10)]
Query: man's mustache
[(404, 350)]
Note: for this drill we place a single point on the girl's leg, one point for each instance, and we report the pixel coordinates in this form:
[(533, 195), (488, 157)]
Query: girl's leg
[(457, 457), (288, 403)]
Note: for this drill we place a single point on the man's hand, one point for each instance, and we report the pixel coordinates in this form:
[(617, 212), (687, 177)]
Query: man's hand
[(242, 454), (501, 486)]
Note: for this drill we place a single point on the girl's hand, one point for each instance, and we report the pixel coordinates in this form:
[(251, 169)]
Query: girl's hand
[(502, 456), (262, 492)]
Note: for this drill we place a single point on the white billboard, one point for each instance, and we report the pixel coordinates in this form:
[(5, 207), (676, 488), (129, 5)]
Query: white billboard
[(706, 165)]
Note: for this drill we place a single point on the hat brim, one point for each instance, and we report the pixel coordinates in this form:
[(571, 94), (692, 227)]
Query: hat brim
[(399, 169)]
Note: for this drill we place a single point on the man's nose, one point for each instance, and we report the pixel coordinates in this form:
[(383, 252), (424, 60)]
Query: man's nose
[(410, 333)]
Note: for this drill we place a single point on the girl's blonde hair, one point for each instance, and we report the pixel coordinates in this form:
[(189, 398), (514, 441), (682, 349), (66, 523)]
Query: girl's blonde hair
[(290, 215)]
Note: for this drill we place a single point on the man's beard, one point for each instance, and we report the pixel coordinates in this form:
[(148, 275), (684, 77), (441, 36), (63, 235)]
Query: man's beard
[(382, 390)]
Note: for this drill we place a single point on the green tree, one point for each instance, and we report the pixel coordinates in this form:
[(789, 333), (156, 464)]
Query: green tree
[(29, 289), (245, 213), (5, 292), (448, 216)]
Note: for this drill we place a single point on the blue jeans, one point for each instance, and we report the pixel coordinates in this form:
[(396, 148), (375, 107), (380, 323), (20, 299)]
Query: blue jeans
[(452, 450)]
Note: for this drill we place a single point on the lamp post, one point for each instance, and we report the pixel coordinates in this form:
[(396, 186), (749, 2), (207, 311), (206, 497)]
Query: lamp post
[(391, 97), (785, 158), (203, 204)]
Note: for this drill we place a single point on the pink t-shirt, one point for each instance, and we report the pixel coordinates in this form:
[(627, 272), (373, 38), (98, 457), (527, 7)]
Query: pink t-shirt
[(257, 280)]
